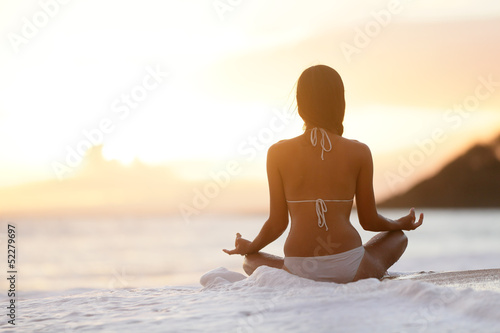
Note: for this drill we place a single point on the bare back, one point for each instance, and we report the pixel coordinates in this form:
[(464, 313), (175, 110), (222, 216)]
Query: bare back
[(305, 178)]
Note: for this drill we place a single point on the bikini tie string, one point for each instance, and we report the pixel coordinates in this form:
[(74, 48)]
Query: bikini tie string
[(314, 140), (320, 211)]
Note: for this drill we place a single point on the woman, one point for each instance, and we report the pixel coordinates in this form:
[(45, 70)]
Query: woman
[(315, 177)]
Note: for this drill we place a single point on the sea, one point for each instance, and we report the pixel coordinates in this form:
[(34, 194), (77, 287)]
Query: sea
[(133, 274)]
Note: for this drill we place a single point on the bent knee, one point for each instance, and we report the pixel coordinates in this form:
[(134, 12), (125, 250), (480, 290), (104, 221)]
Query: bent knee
[(399, 242), (400, 236), (249, 265), (403, 239), (402, 242)]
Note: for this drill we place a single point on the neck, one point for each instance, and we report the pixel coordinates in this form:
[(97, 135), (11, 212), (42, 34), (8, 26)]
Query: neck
[(310, 127)]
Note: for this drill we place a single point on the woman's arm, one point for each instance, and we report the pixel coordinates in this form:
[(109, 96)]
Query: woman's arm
[(365, 201), (278, 215)]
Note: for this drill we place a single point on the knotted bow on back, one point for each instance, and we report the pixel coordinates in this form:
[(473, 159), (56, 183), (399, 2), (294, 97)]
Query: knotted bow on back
[(314, 140), (320, 211)]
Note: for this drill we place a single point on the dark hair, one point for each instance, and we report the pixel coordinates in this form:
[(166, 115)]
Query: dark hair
[(320, 98)]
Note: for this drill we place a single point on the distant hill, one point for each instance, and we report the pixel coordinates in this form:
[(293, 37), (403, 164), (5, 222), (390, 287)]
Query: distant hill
[(107, 188), (471, 180)]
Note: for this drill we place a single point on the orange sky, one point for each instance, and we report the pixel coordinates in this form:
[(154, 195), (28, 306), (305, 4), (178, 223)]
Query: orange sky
[(187, 85)]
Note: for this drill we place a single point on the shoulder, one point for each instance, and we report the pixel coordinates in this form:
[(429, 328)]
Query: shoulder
[(282, 150), (277, 149), (283, 145), (355, 144), (358, 149)]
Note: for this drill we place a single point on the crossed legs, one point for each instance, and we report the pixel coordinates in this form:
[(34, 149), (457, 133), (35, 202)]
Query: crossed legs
[(381, 252), (254, 260)]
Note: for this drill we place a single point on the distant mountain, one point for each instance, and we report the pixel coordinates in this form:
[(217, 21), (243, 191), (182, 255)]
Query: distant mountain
[(471, 180)]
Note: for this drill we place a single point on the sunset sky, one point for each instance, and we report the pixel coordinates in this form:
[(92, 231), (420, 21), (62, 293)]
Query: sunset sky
[(194, 84)]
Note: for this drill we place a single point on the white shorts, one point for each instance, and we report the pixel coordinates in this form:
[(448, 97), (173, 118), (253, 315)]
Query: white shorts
[(339, 268)]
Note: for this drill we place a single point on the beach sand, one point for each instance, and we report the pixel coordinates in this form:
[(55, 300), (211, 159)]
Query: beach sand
[(272, 300), (484, 279)]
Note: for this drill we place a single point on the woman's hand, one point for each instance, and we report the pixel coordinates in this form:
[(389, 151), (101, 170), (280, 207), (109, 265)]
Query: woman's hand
[(242, 246), (408, 222)]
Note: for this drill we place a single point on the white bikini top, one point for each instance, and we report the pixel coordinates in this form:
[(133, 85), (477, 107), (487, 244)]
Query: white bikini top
[(320, 203)]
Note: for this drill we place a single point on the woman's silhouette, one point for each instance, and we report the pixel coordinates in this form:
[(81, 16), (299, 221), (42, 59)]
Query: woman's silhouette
[(315, 177)]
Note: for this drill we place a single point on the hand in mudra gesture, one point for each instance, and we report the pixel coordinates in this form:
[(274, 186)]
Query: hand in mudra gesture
[(408, 222), (242, 246)]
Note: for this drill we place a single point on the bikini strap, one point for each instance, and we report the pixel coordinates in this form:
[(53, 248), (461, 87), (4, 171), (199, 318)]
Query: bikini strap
[(320, 211), (324, 134)]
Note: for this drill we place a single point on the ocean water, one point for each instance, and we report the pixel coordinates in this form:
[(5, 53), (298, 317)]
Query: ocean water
[(134, 274)]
